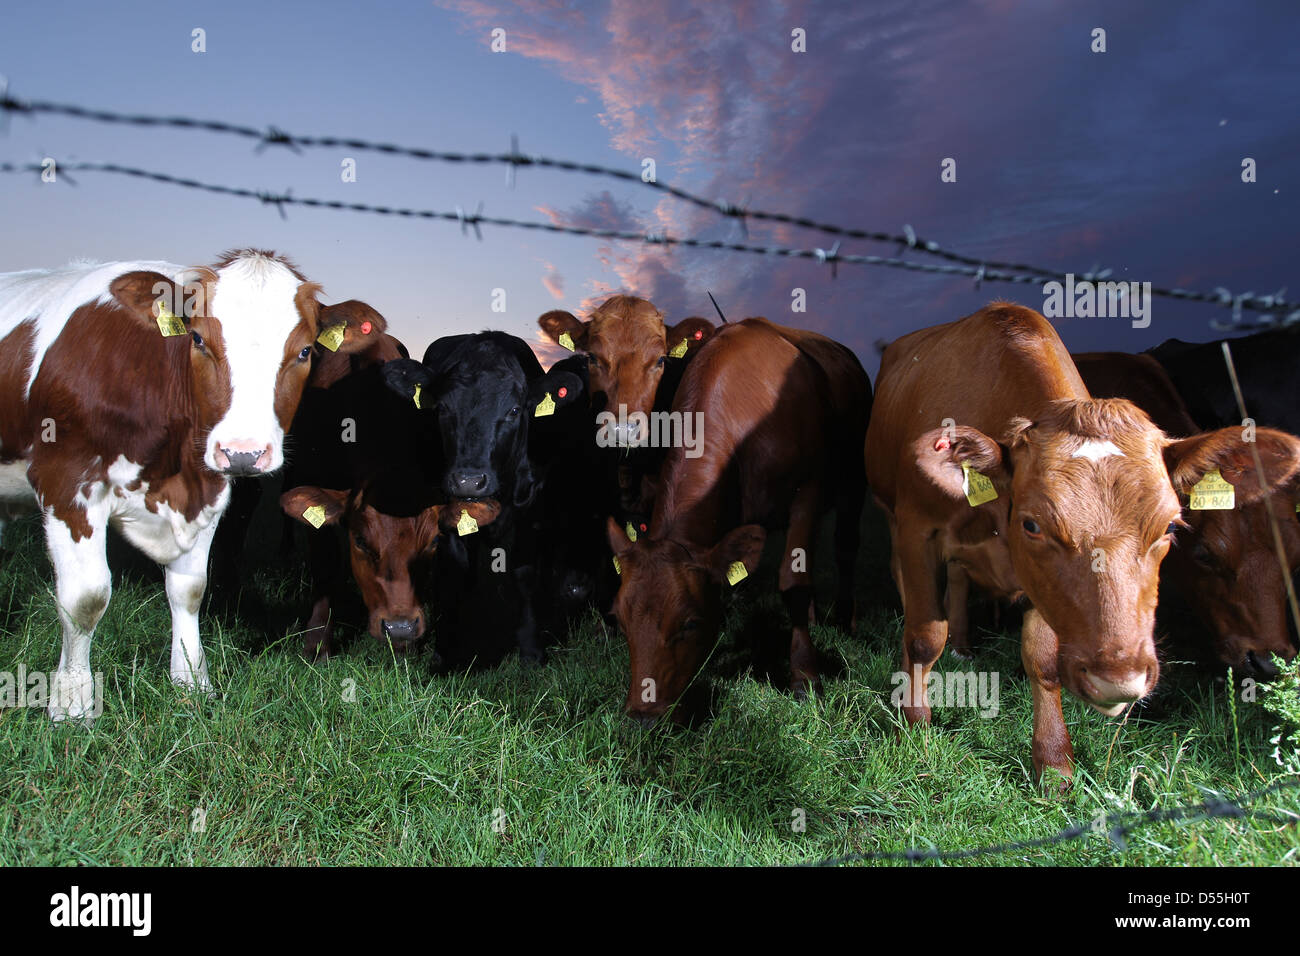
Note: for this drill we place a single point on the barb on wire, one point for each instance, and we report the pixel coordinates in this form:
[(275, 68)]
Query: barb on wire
[(1213, 807)]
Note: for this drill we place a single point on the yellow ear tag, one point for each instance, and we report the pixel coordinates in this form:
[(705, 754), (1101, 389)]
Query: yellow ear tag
[(332, 337), (1212, 493), (466, 524), (736, 573), (416, 396), (566, 341), (315, 515), (618, 567), (545, 407), (679, 350), (631, 532), (168, 324), (977, 488)]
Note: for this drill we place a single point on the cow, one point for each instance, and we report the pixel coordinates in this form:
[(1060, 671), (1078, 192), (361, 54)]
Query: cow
[(1223, 565), (986, 449), (635, 363), (484, 395), (130, 394), (781, 410)]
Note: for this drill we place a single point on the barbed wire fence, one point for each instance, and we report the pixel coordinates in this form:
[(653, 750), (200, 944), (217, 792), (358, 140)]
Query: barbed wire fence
[(1116, 827), (1273, 309)]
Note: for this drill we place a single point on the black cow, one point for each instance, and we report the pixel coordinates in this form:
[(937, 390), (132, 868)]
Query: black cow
[(485, 393)]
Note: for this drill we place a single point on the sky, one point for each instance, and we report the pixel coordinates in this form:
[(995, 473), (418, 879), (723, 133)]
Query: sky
[(1065, 158)]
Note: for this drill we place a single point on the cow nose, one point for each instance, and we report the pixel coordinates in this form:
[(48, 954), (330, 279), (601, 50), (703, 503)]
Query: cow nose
[(628, 434), (465, 484), (242, 458), (1110, 694), (1261, 665), (401, 631), (644, 719)]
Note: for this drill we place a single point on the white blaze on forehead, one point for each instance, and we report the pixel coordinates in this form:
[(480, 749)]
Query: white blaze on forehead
[(1094, 450), (254, 302)]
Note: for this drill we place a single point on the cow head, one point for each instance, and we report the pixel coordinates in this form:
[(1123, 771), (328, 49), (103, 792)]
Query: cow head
[(627, 347), (1224, 566), (1091, 512), (669, 606), (250, 326), (484, 390)]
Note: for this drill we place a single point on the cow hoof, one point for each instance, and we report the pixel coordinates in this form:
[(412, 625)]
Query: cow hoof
[(535, 657), (962, 653), (803, 689), (72, 697)]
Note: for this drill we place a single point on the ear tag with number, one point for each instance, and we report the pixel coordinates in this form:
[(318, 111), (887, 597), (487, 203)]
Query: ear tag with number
[(332, 337), (416, 396), (168, 323), (736, 573), (631, 532), (618, 568), (314, 516), (566, 341), (679, 350), (978, 488), (466, 524), (545, 407), (1212, 493)]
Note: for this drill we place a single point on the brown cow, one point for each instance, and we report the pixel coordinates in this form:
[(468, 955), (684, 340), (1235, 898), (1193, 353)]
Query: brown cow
[(1085, 509), (1224, 566), (778, 407), (627, 347)]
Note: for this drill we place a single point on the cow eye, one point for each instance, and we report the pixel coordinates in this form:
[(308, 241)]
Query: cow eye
[(1031, 528), (305, 354), (662, 360), (198, 340), (513, 413)]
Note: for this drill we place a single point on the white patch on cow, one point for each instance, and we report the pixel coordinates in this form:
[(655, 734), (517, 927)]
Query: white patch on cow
[(50, 296), (254, 301), (1094, 450)]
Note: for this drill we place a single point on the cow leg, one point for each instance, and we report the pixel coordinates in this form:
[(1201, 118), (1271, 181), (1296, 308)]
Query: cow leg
[(956, 602), (925, 629), (797, 590), (324, 564), (526, 630), (848, 536), (83, 586), (187, 579), (1038, 652)]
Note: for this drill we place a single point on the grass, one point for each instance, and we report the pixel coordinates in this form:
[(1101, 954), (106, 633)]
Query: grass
[(370, 760)]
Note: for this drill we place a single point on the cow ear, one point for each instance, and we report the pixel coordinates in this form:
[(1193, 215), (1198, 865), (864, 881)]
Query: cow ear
[(144, 294), (619, 542), (688, 335), (427, 530), (941, 453), (350, 326), (558, 323), (314, 506), (562, 387), (404, 376), (742, 546), (1188, 460)]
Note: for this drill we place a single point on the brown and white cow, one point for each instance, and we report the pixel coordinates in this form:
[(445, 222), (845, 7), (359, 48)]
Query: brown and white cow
[(1085, 509), (782, 412), (1224, 565), (116, 412)]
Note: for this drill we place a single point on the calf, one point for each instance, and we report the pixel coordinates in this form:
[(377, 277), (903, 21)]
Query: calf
[(130, 394), (483, 393), (1223, 565), (985, 448), (779, 408)]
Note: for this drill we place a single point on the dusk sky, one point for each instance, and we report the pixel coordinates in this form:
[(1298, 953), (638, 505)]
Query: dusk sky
[(1065, 158)]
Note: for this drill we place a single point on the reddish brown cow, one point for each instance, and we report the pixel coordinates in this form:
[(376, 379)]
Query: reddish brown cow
[(627, 347), (779, 407), (1224, 566), (1085, 509)]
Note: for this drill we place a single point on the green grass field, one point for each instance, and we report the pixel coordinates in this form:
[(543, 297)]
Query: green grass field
[(367, 759)]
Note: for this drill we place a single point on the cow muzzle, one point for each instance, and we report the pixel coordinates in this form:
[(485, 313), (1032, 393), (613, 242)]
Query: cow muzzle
[(1109, 693), (470, 484), (402, 632), (238, 458)]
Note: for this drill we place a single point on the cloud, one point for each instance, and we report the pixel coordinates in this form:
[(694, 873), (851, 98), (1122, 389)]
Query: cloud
[(554, 283)]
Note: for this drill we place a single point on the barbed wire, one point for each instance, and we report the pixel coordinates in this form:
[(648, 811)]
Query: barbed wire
[(832, 256), (1117, 828), (1274, 306)]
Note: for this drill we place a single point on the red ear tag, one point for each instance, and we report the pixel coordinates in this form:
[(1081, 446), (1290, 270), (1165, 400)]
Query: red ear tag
[(699, 334), (942, 444), (366, 327), (642, 526), (562, 391)]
